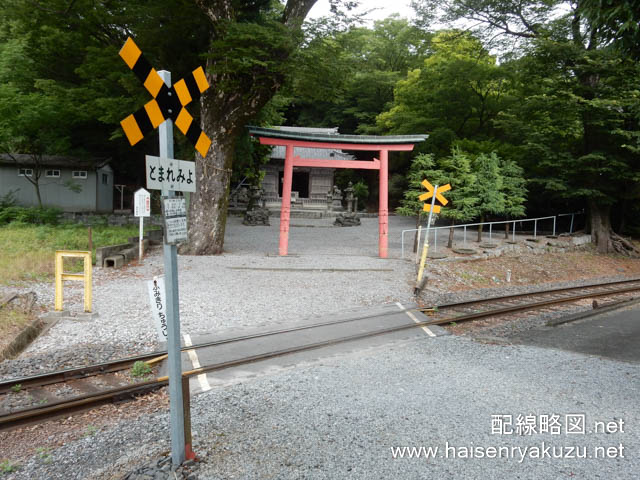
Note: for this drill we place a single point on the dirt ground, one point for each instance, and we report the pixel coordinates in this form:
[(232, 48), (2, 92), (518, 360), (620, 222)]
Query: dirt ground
[(16, 313), (531, 269), (20, 444)]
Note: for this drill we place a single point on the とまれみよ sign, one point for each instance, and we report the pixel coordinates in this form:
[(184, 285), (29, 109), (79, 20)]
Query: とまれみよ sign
[(170, 174)]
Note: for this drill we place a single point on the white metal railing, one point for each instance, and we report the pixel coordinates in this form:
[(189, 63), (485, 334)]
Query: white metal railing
[(572, 218), (465, 225)]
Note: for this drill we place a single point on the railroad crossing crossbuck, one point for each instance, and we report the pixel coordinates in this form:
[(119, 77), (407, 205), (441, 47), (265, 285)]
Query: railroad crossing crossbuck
[(430, 193), (168, 102)]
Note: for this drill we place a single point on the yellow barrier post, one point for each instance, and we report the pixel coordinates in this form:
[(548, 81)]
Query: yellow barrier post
[(85, 276)]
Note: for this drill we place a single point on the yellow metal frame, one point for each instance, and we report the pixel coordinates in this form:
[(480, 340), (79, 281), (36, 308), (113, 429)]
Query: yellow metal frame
[(86, 276)]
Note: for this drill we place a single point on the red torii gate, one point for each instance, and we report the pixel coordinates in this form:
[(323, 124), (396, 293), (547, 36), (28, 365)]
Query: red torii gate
[(381, 144)]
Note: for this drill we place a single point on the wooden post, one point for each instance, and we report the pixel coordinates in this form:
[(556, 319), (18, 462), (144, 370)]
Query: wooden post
[(90, 240), (186, 401)]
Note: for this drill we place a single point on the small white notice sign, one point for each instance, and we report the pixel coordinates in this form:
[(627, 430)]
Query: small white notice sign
[(170, 174), (175, 207), (176, 230), (142, 203), (157, 299), (174, 212)]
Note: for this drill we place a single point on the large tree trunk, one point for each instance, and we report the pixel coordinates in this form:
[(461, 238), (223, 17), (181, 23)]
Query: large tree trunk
[(37, 187), (600, 219), (208, 206), (415, 237), (224, 114), (480, 228)]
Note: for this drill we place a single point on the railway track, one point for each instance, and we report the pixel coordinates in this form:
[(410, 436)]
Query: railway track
[(65, 392)]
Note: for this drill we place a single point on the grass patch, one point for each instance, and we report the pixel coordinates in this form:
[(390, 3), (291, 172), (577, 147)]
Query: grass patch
[(27, 252), (7, 467), (12, 321), (13, 318), (140, 369)]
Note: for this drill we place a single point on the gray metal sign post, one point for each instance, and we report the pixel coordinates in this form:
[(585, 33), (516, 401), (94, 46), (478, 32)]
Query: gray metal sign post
[(176, 407)]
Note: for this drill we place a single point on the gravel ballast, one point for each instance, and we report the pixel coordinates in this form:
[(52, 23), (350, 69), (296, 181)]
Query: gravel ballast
[(339, 418)]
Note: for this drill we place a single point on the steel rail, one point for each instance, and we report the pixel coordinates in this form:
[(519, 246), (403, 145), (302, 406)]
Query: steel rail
[(65, 407), (537, 292), (122, 364), (77, 404), (528, 306), (60, 376)]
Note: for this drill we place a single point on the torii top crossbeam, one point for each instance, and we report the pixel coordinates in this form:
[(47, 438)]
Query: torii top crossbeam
[(381, 144)]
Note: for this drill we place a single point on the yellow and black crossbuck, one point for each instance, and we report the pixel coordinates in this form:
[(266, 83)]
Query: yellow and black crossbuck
[(168, 102)]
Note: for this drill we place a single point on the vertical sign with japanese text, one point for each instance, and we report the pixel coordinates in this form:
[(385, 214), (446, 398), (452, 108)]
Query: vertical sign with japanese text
[(157, 300), (142, 203)]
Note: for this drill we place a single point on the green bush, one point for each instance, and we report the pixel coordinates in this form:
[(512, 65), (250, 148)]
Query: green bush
[(8, 214), (30, 215)]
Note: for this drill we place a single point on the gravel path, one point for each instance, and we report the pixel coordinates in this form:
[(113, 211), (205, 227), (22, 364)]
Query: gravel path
[(329, 269), (339, 418), (334, 269)]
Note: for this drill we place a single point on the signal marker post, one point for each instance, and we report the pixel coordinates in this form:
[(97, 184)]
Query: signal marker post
[(166, 107), (176, 407), (433, 193)]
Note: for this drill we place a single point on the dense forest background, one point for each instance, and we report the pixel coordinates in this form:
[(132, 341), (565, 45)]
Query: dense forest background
[(538, 101)]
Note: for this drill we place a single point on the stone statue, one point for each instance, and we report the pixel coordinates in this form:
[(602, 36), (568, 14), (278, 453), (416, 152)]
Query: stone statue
[(256, 213), (347, 220), (330, 200), (243, 196), (349, 197), (337, 198)]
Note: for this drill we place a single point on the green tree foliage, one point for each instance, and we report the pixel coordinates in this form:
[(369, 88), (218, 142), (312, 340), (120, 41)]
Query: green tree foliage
[(455, 93), (576, 132), (455, 170), (481, 184), (617, 21), (579, 140), (514, 189), (247, 47), (37, 116), (488, 187), (348, 79), (64, 56)]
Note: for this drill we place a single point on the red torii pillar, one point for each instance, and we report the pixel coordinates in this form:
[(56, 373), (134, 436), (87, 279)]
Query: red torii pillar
[(381, 164)]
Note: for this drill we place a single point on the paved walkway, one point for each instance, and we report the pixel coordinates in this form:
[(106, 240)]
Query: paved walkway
[(319, 237), (614, 335)]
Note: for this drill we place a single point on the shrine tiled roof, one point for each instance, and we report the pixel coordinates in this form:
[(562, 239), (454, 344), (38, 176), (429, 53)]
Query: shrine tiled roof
[(307, 136)]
